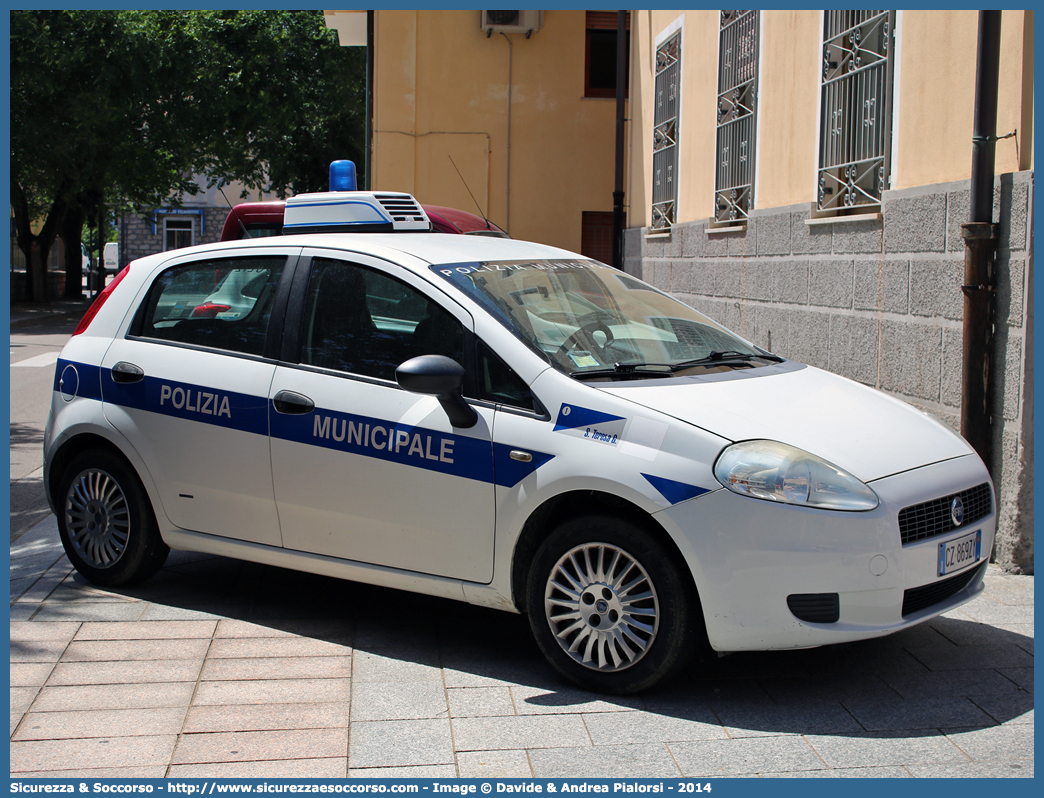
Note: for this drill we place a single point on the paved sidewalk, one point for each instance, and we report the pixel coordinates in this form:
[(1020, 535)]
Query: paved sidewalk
[(221, 668)]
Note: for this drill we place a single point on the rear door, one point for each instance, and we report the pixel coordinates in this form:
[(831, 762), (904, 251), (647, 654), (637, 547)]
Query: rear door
[(188, 387), (364, 470)]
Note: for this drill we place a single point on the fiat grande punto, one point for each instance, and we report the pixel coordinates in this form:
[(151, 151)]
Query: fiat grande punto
[(508, 424)]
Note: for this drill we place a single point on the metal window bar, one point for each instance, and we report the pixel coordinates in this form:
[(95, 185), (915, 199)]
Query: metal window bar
[(737, 92), (855, 122), (665, 134)]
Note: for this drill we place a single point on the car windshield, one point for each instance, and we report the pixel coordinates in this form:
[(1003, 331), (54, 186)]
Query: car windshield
[(586, 318)]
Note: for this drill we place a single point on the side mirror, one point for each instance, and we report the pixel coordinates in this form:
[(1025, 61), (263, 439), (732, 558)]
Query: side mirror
[(441, 377)]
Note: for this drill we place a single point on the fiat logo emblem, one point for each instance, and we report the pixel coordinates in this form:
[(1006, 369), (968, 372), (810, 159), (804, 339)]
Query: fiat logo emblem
[(957, 511), (601, 606)]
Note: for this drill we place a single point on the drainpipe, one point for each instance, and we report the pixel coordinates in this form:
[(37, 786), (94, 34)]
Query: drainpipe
[(618, 192), (368, 145), (507, 212), (980, 247)]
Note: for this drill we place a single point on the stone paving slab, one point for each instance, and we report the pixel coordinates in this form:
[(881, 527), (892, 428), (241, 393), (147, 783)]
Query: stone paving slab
[(400, 743), (716, 758), (494, 764), (101, 752), (273, 691), (146, 630), (114, 696), (250, 746), (879, 750), (154, 772), (226, 669), (534, 731), (267, 717), (218, 668), (328, 768), (81, 724), (399, 700), (129, 672), (652, 760)]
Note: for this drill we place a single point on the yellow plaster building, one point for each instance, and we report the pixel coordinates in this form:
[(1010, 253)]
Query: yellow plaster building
[(512, 113)]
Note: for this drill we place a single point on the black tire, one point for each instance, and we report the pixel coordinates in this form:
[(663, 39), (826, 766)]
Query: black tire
[(597, 631), (106, 521)]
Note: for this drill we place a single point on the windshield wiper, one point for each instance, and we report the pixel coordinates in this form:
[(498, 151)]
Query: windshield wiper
[(727, 357), (627, 370)]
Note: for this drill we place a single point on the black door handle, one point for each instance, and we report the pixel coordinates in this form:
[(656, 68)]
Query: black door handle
[(293, 404), (125, 372)]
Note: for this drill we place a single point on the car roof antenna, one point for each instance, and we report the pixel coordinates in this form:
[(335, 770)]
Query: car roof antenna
[(232, 208), (482, 213)]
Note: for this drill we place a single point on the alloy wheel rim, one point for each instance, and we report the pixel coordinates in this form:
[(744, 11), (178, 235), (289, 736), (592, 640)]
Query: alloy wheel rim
[(602, 607), (97, 518)]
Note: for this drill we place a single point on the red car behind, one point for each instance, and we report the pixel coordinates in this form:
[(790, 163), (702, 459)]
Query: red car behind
[(258, 219)]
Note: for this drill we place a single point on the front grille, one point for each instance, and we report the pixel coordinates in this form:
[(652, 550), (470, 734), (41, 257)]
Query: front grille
[(919, 598), (930, 519), (401, 208), (815, 607)]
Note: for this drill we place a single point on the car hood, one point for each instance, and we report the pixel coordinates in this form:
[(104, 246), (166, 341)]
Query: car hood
[(860, 429)]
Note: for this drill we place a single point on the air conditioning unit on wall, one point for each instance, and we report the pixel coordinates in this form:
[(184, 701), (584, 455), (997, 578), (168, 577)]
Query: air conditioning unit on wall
[(525, 21)]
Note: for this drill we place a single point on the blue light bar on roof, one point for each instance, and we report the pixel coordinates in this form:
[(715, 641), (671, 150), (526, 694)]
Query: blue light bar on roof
[(342, 176)]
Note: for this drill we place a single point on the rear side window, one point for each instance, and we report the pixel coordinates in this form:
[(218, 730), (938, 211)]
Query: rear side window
[(220, 304)]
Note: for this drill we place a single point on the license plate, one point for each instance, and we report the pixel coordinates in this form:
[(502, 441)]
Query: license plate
[(959, 553)]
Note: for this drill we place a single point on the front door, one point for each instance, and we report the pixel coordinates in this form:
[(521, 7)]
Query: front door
[(364, 470)]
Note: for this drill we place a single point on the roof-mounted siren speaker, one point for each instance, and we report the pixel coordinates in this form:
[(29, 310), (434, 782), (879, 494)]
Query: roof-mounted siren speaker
[(525, 21)]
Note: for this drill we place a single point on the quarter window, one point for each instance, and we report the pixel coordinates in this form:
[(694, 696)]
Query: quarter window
[(499, 383), (220, 304)]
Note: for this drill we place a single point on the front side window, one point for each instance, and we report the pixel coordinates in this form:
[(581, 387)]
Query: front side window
[(588, 319), (221, 304), (365, 322), (855, 113)]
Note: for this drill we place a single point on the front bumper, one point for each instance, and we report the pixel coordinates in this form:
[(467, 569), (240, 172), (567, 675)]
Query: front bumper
[(749, 556)]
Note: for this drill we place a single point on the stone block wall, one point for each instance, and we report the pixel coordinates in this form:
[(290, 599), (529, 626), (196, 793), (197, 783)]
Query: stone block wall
[(137, 239), (878, 301)]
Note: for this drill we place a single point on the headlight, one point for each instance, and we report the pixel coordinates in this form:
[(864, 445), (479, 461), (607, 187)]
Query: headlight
[(782, 473)]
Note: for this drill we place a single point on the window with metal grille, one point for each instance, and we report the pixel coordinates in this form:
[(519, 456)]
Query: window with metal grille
[(737, 98), (665, 134), (856, 110)]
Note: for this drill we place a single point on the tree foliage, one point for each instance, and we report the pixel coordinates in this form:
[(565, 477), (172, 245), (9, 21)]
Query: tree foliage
[(122, 108)]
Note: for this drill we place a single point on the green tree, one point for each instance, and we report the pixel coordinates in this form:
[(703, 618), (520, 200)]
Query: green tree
[(119, 109), (285, 98)]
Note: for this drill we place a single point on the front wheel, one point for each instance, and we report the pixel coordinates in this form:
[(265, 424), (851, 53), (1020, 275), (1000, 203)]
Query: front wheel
[(106, 521), (610, 607)]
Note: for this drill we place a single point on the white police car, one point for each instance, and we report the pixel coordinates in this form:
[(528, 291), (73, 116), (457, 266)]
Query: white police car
[(508, 424)]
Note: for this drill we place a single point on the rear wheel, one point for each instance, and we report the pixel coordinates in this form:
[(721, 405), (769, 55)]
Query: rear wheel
[(609, 606), (106, 521)]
